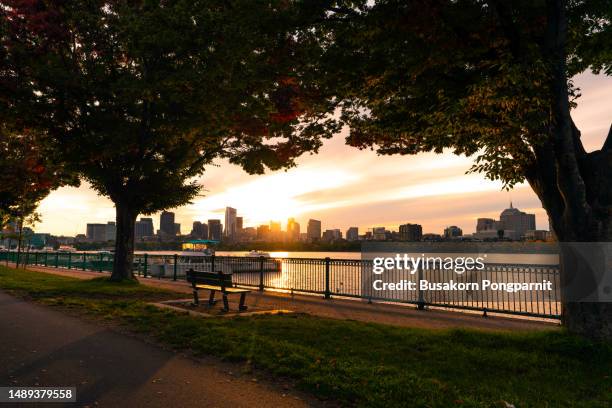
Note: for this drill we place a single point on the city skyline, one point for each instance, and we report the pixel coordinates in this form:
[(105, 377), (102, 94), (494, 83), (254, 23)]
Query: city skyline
[(360, 190)]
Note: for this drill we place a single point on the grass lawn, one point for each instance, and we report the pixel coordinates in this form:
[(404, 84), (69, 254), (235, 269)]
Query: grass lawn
[(354, 362)]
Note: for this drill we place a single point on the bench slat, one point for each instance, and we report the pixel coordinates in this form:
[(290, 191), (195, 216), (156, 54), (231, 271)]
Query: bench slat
[(227, 289)]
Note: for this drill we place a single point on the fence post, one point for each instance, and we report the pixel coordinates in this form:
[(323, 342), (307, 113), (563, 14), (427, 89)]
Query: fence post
[(421, 301), (261, 273), (46, 258), (35, 258), (145, 268), (212, 263), (84, 260), (69, 260), (175, 266), (327, 291), (101, 261), (57, 260)]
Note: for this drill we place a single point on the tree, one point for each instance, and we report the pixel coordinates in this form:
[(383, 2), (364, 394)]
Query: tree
[(29, 171), (491, 79), (141, 95)]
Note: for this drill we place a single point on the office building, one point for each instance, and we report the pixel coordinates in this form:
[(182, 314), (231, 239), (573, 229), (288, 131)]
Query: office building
[(166, 224), (379, 234), (199, 230), (239, 224), (486, 224), (410, 232), (215, 230), (512, 219), (111, 231), (96, 232), (177, 228), (263, 232), (143, 228), (452, 232), (293, 230), (352, 234), (313, 230), (230, 223), (331, 235)]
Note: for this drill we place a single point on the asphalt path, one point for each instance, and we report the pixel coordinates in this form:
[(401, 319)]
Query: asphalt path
[(41, 346)]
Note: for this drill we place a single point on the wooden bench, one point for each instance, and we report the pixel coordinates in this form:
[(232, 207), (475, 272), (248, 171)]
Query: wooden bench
[(215, 281)]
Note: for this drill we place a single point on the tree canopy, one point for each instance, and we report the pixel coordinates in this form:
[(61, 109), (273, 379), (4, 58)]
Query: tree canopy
[(140, 96)]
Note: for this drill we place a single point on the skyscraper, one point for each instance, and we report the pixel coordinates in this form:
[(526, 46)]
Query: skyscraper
[(199, 230), (166, 224), (352, 234), (215, 230), (293, 230), (230, 222), (239, 223), (313, 230), (143, 228)]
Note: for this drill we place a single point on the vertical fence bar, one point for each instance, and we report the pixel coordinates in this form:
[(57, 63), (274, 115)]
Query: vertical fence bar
[(69, 260), (175, 267), (421, 301), (101, 262), (327, 292), (84, 260), (35, 258), (261, 273), (57, 259), (145, 268), (46, 258)]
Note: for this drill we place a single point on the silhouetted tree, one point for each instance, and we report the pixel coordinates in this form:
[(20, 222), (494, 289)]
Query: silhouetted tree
[(141, 95), (492, 79)]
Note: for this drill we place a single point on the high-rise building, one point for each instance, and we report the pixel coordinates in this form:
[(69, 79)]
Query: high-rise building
[(199, 230), (96, 232), (313, 230), (452, 232), (512, 219), (293, 230), (111, 230), (410, 232), (239, 224), (331, 235), (143, 228), (215, 230), (263, 232), (379, 233), (230, 223), (352, 234), (276, 234), (177, 228), (166, 224)]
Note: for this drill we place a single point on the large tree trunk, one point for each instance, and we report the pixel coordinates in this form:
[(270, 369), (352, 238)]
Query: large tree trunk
[(124, 243), (575, 189)]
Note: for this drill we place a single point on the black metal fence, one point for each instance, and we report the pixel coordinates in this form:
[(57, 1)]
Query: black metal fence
[(335, 277)]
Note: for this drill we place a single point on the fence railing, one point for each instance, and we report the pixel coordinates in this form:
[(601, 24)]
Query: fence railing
[(334, 277)]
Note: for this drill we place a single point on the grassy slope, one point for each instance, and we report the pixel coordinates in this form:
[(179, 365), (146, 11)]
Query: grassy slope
[(366, 364)]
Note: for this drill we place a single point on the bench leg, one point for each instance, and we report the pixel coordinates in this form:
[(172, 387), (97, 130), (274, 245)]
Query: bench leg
[(225, 303), (211, 298), (242, 306), (196, 299)]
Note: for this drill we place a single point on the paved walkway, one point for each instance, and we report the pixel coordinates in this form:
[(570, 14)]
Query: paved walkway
[(399, 315), (41, 346)]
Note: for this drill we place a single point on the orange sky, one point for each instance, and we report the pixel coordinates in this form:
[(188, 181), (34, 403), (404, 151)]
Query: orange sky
[(344, 187)]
